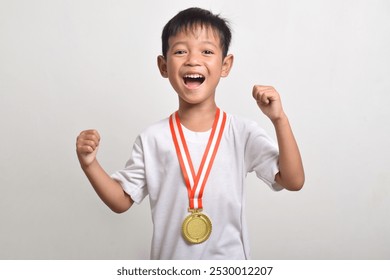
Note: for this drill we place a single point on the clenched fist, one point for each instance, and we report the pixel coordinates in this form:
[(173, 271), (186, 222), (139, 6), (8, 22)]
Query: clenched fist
[(269, 102), (87, 145)]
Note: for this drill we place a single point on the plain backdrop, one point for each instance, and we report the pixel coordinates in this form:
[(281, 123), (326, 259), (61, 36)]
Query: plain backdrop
[(66, 66)]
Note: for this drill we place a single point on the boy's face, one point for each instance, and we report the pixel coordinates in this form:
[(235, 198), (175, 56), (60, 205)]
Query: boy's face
[(194, 64)]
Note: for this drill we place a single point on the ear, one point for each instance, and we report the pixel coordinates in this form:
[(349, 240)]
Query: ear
[(162, 66), (227, 65)]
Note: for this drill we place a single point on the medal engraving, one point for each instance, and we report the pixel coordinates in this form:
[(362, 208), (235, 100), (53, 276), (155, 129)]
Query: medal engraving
[(196, 227)]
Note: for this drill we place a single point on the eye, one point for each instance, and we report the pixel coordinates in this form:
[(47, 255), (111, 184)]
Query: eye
[(179, 52), (208, 52)]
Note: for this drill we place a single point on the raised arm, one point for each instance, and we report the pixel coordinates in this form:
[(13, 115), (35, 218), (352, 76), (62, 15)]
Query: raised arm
[(109, 190), (291, 174)]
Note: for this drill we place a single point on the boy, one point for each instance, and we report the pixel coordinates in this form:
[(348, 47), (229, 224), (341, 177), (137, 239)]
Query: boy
[(198, 157)]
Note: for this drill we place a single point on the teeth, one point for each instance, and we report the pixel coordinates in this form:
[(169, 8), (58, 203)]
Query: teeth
[(193, 76)]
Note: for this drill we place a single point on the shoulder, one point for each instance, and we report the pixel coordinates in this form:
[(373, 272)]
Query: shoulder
[(157, 127), (243, 125), (247, 132), (239, 120), (155, 133)]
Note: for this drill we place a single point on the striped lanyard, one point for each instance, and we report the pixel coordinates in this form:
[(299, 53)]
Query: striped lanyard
[(196, 182)]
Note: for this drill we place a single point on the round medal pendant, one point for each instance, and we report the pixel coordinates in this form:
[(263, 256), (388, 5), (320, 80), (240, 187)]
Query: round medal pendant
[(196, 227)]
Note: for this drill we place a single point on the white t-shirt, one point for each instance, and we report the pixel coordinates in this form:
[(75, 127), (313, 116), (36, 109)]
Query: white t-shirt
[(153, 169)]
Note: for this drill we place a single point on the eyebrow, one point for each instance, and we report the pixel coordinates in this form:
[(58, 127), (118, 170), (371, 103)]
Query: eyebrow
[(202, 42)]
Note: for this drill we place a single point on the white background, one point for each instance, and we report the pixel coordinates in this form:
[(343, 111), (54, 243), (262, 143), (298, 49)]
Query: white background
[(66, 66)]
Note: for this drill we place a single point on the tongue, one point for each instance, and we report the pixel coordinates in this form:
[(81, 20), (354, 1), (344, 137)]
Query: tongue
[(193, 83)]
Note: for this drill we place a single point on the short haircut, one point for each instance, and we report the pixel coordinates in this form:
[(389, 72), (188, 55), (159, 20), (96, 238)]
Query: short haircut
[(195, 17)]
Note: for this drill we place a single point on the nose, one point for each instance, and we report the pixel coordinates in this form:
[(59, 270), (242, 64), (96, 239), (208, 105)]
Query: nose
[(193, 59)]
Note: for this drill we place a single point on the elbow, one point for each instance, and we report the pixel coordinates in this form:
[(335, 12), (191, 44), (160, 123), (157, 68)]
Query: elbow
[(119, 210), (121, 204), (295, 185), (292, 184)]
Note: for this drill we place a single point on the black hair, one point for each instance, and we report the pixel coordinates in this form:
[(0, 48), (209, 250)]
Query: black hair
[(194, 17)]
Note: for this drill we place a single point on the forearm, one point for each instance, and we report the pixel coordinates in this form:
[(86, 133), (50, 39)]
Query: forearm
[(109, 190), (291, 174)]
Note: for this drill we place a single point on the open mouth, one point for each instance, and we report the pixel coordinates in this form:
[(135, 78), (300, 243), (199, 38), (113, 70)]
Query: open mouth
[(193, 80)]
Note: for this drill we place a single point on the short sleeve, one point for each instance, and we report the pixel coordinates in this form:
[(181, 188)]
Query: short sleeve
[(261, 156), (132, 177)]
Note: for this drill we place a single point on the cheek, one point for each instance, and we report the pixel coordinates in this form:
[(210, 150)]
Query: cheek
[(216, 65), (215, 70), (173, 69)]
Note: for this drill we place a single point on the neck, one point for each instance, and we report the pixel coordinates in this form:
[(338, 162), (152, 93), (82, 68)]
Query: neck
[(198, 117)]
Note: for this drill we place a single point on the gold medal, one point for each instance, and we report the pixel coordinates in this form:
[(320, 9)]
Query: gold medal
[(196, 227)]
